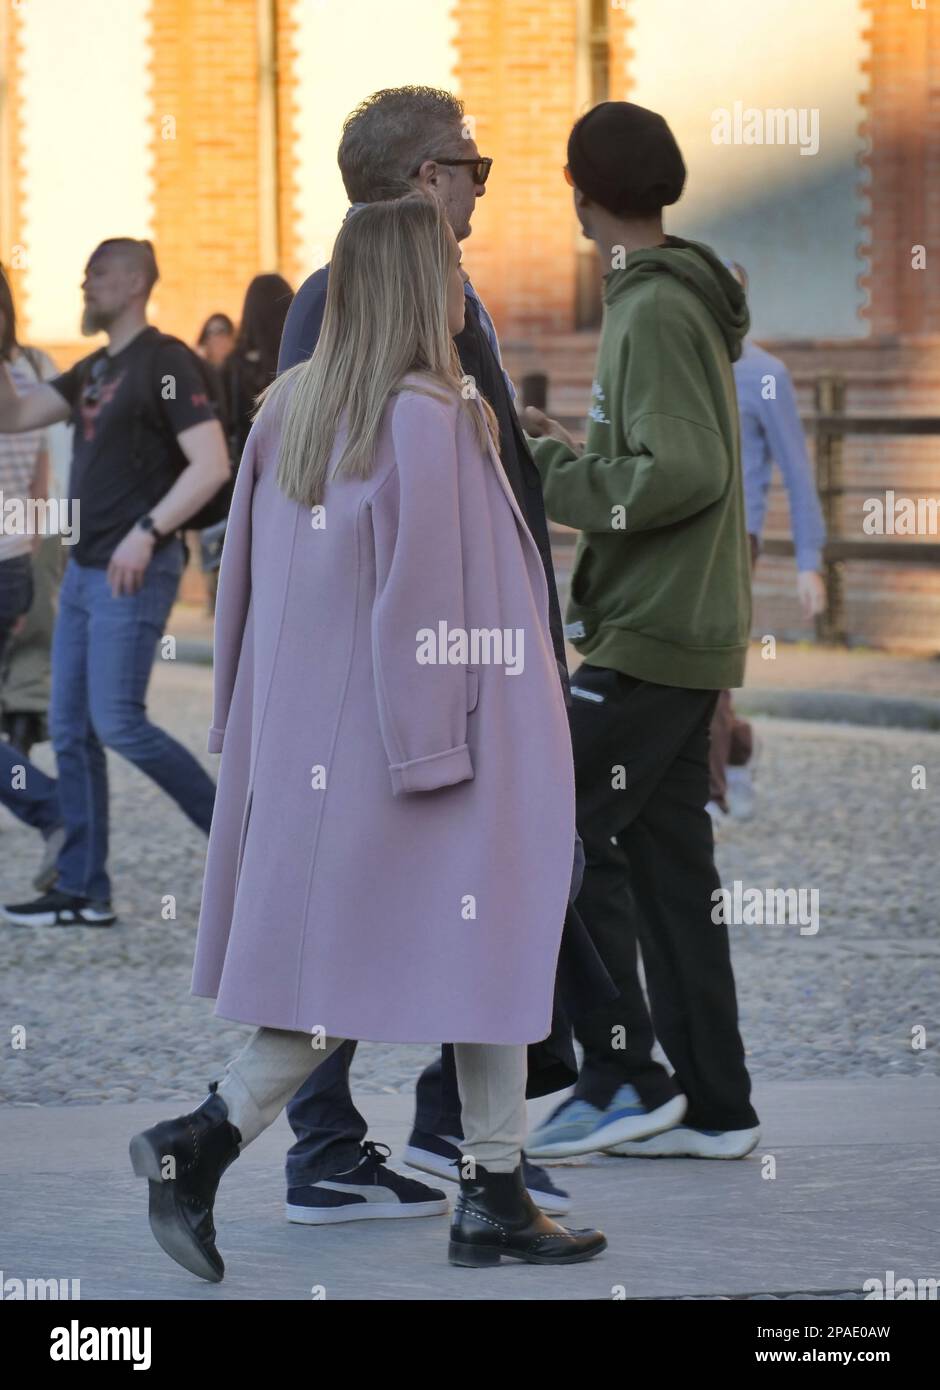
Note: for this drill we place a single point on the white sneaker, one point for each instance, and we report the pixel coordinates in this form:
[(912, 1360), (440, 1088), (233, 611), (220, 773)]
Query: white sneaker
[(684, 1142), (741, 793)]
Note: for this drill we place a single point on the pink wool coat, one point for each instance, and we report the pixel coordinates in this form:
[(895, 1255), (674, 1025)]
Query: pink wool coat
[(390, 855)]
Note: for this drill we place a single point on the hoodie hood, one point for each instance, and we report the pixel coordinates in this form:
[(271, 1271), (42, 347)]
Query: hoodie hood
[(697, 266)]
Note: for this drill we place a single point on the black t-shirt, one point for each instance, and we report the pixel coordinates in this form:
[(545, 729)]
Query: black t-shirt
[(122, 462)]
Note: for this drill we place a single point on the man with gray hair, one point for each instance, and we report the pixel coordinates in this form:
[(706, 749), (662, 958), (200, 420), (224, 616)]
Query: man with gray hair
[(396, 141)]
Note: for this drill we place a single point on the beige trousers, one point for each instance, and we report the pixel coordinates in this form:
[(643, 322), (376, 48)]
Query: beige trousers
[(491, 1079)]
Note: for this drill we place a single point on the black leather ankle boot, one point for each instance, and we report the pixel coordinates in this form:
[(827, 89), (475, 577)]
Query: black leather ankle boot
[(495, 1216), (183, 1160)]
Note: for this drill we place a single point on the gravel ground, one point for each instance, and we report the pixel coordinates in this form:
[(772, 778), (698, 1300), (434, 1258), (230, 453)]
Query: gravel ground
[(108, 1015)]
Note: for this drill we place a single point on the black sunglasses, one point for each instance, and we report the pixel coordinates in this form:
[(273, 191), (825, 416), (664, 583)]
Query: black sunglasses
[(481, 167)]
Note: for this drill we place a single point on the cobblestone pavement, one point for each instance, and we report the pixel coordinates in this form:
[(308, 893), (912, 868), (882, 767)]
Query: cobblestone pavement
[(109, 1018)]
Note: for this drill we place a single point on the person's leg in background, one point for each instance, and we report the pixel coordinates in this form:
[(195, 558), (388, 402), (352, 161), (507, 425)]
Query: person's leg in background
[(686, 954), (732, 746), (26, 671), (650, 743), (332, 1163), (494, 1215), (615, 1055), (623, 735), (80, 758), (123, 634), (16, 595), (328, 1128), (437, 1098), (26, 790)]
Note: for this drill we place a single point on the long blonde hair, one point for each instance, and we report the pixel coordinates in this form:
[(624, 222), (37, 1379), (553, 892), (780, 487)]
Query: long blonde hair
[(385, 317)]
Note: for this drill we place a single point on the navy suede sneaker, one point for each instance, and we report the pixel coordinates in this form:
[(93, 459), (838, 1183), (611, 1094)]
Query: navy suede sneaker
[(369, 1192)]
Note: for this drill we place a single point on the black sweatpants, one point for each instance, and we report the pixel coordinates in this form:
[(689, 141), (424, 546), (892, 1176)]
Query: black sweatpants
[(641, 769)]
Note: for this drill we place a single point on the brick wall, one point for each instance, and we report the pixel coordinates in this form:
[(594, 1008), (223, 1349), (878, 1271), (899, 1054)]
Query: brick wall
[(205, 154), (619, 51), (14, 251), (292, 265), (902, 127), (516, 74)]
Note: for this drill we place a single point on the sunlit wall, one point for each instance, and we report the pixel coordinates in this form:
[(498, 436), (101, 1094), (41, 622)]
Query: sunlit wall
[(789, 218), (348, 49), (86, 137)]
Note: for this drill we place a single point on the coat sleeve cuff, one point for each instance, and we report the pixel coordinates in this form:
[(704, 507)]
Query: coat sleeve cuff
[(215, 740), (438, 770)]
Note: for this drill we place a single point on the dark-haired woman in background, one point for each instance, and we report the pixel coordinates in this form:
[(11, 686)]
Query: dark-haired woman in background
[(251, 367)]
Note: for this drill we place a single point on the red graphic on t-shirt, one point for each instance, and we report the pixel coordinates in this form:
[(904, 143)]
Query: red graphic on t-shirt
[(90, 410)]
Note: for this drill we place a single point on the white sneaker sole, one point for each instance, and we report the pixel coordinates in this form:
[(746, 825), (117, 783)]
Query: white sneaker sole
[(605, 1136), (686, 1143), (50, 919), (364, 1211), (551, 1203), (44, 919)]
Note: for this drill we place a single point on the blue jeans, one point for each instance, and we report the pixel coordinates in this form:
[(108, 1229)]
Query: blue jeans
[(24, 790), (102, 655)]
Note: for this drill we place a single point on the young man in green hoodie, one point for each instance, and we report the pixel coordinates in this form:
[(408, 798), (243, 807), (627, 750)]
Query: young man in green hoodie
[(660, 612)]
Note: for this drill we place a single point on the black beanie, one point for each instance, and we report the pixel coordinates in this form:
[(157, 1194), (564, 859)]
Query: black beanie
[(626, 158)]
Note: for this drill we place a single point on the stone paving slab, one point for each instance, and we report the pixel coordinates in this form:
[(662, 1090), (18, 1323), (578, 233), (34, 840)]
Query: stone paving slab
[(855, 1195)]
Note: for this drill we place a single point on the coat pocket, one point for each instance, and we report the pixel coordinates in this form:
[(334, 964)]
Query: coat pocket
[(473, 688), (244, 835)]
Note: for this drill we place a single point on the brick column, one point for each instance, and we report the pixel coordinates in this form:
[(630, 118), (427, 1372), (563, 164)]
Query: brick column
[(516, 73), (621, 53), (292, 265), (13, 250), (204, 66), (902, 128)]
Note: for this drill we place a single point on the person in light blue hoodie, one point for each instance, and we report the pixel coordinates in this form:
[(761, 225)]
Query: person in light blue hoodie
[(771, 432)]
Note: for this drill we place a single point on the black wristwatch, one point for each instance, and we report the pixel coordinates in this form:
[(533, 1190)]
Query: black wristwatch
[(146, 523)]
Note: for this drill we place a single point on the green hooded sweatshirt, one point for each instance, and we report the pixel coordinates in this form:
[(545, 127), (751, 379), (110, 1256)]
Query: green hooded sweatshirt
[(661, 582)]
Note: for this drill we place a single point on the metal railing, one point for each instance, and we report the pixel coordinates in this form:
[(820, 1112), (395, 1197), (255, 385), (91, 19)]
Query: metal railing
[(830, 426)]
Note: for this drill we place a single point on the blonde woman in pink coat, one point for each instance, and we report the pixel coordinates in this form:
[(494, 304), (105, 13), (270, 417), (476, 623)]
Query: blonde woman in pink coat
[(390, 856)]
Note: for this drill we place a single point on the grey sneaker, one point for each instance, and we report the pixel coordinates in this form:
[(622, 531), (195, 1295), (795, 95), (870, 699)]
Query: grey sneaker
[(577, 1127), (683, 1142)]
